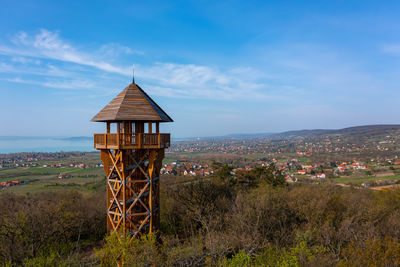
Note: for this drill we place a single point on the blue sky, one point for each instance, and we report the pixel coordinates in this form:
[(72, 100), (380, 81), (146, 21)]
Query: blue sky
[(216, 67)]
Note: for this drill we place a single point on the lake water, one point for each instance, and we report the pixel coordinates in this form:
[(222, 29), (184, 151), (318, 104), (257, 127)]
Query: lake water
[(44, 145)]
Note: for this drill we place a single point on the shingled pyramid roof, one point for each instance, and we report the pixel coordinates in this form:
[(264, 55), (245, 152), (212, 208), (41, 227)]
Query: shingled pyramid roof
[(132, 104)]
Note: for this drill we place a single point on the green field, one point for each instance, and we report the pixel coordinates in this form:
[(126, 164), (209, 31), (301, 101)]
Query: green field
[(357, 180), (37, 179), (40, 179), (43, 179)]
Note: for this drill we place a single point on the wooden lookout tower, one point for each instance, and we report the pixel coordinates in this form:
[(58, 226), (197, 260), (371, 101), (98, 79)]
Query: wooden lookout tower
[(132, 158)]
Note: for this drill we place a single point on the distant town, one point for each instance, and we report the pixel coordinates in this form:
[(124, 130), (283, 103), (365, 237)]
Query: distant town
[(364, 159)]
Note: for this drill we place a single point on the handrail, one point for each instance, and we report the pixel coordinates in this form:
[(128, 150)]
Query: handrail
[(135, 139)]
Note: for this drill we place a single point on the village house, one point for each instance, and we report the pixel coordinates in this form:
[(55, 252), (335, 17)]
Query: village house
[(290, 179), (9, 183), (302, 172), (64, 175), (341, 168), (359, 166)]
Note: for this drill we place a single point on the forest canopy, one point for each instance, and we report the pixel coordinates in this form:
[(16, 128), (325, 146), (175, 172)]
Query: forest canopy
[(251, 220)]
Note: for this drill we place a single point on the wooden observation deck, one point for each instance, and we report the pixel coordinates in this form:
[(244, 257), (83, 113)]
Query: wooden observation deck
[(132, 141), (132, 158)]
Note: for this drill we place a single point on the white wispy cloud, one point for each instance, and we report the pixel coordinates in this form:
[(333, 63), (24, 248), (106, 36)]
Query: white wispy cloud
[(25, 60), (194, 81), (48, 70), (49, 45), (113, 50), (65, 84), (38, 52)]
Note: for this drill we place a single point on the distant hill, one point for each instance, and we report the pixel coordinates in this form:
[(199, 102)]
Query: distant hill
[(78, 138), (228, 136), (349, 131), (353, 131), (244, 135), (370, 130), (303, 133)]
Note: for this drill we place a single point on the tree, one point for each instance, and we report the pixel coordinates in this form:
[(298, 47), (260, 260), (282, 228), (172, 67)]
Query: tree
[(224, 173), (270, 175)]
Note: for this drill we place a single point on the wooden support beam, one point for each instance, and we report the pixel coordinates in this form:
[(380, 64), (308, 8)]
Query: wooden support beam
[(133, 200), (139, 127), (123, 155)]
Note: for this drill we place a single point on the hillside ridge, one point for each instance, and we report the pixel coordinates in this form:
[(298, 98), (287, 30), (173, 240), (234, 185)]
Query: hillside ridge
[(354, 130)]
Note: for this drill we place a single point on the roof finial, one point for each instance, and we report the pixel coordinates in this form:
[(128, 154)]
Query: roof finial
[(133, 75)]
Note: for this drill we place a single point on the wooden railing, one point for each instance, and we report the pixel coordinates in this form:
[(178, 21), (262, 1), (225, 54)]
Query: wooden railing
[(136, 140)]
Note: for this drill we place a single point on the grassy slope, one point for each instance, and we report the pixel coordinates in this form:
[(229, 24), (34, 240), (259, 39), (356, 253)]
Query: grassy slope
[(361, 179)]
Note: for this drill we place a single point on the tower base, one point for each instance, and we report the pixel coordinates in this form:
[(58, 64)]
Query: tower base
[(133, 190)]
